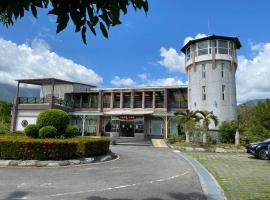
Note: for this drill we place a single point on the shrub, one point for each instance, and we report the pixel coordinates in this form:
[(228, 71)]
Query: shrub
[(93, 147), (19, 133), (4, 128), (53, 117), (47, 132), (174, 138), (25, 148), (31, 130), (227, 131), (71, 131)]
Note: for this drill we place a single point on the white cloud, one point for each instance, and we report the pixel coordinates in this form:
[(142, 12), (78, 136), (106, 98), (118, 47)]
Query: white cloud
[(128, 82), (253, 75), (122, 82), (37, 61), (198, 36), (143, 76), (171, 60), (171, 81)]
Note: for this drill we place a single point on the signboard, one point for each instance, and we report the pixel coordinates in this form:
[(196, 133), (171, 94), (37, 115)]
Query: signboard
[(126, 117)]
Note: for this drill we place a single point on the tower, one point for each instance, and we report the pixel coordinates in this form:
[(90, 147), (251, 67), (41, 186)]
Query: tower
[(211, 63)]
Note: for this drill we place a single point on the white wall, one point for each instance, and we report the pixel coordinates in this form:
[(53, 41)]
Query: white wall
[(29, 115), (59, 90), (223, 109)]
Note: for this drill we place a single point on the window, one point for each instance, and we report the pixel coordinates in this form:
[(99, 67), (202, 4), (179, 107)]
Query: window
[(222, 70), (188, 53), (223, 92), (202, 48), (203, 71), (223, 47), (203, 92)]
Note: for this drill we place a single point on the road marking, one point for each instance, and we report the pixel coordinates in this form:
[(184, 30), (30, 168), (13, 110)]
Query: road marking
[(21, 198), (121, 186)]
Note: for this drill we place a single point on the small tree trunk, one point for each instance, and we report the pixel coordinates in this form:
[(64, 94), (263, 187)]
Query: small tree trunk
[(237, 138), (204, 138), (187, 137)]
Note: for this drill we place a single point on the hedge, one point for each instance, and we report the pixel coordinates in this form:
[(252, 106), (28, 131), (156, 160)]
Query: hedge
[(53, 117), (25, 148)]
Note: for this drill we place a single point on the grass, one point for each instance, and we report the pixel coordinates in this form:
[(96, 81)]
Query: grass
[(240, 175), (200, 144)]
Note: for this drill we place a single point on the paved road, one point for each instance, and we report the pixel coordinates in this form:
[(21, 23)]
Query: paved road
[(142, 172)]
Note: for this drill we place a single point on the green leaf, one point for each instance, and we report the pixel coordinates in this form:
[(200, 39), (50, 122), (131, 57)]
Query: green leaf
[(91, 27), (62, 21), (103, 30), (34, 11), (84, 35)]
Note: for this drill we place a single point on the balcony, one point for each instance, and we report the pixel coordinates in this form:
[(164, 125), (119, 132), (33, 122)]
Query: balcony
[(36, 102)]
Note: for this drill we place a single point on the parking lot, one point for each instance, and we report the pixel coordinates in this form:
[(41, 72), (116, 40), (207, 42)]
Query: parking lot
[(240, 175)]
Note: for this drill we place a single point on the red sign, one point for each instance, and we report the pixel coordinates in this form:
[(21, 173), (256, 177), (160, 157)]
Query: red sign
[(126, 117)]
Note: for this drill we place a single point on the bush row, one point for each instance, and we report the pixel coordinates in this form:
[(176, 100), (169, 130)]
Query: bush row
[(25, 148)]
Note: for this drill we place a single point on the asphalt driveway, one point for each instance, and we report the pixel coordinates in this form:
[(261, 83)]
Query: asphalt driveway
[(142, 172)]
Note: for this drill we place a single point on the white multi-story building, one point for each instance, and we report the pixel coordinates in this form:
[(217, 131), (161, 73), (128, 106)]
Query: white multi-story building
[(211, 63)]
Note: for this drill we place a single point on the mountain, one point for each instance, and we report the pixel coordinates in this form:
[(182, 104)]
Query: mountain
[(8, 92), (252, 103)]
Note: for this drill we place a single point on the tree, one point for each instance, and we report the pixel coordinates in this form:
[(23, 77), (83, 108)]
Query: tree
[(5, 110), (207, 118), (189, 119), (85, 14)]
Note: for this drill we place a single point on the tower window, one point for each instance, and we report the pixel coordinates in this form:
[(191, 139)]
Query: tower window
[(222, 70), (223, 92), (188, 53), (203, 92), (202, 48), (203, 71), (223, 47)]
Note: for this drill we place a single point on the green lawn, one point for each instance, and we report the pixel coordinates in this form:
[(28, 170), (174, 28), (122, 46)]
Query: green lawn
[(240, 175)]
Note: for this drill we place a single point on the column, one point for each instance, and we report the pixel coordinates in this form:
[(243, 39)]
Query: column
[(166, 99), (143, 99), (111, 102), (15, 109), (121, 99), (100, 101), (154, 99), (98, 126), (52, 94), (132, 99), (81, 101)]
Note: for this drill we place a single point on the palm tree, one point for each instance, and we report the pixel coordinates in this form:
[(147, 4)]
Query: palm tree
[(207, 118), (188, 118)]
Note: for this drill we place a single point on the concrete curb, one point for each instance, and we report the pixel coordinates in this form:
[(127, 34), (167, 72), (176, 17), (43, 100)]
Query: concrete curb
[(210, 186), (63, 163)]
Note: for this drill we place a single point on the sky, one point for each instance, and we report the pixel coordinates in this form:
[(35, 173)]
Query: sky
[(144, 50)]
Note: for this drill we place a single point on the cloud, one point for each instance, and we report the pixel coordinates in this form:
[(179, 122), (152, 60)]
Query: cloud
[(198, 36), (128, 82), (38, 61), (143, 76), (253, 75), (171, 60), (171, 81), (122, 82)]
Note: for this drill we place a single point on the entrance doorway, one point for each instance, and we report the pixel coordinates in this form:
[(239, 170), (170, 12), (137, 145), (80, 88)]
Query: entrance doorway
[(127, 128)]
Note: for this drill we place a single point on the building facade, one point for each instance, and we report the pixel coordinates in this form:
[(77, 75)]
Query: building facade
[(211, 64), (142, 112)]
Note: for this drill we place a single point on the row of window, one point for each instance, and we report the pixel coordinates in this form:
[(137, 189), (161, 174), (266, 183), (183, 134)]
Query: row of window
[(222, 92), (205, 47), (204, 70)]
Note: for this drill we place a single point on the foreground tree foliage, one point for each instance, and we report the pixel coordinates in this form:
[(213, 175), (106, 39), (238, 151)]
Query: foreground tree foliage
[(85, 14)]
